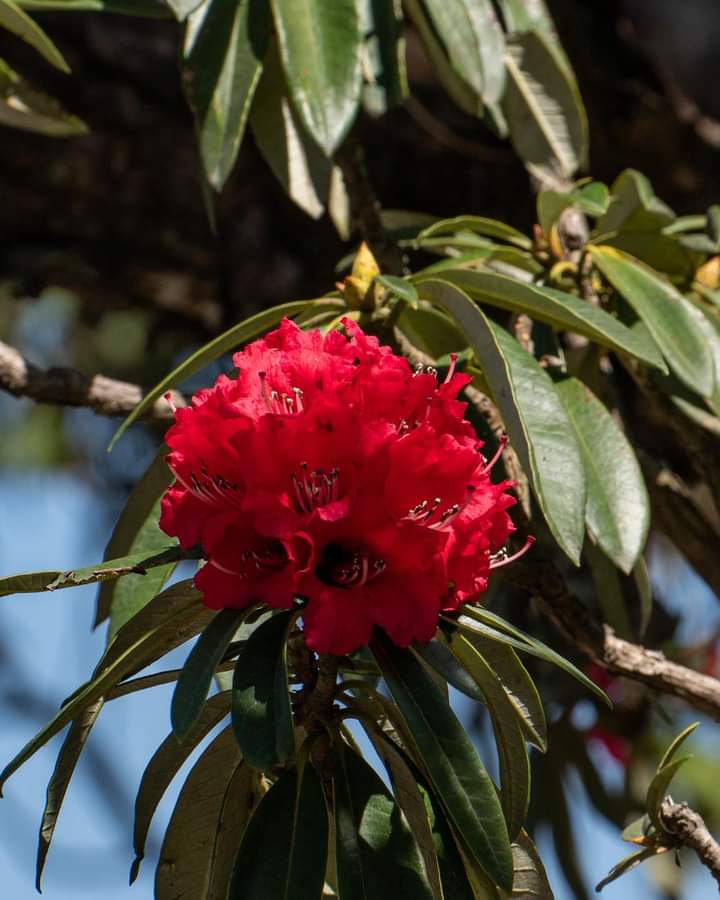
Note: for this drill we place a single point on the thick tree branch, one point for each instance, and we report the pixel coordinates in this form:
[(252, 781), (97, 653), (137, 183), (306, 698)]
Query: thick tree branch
[(689, 829), (541, 578), (67, 387)]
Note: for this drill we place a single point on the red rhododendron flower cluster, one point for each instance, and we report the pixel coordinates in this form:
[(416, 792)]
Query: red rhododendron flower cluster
[(329, 470)]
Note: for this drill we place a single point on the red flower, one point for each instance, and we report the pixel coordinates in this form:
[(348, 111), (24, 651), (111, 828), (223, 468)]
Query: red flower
[(330, 471)]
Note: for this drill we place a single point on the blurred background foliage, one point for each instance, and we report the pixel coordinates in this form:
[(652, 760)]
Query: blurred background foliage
[(108, 263)]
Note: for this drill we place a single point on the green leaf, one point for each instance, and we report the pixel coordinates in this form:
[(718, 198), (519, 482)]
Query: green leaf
[(531, 881), (225, 45), (320, 45), (124, 656), (592, 198), (542, 104), (457, 88), (261, 714), (449, 758), (383, 56), (377, 856), (512, 753), (22, 106), (164, 766), (456, 881), (296, 161), (518, 685), (658, 788), (284, 850), (558, 308), (528, 15), (20, 23), (223, 343), (537, 424), (183, 8), (634, 206), (136, 531), (625, 865), (149, 8), (609, 592), (474, 41), (67, 759), (432, 332), (665, 312), (238, 805), (439, 658), (406, 786), (487, 624), (196, 676), (401, 288), (183, 869), (477, 225), (618, 506), (137, 564), (676, 744)]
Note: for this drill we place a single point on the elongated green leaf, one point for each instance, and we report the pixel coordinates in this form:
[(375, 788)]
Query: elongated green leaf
[(223, 343), (237, 807), (68, 757), (449, 758), (136, 564), (438, 657), (539, 428), (530, 881), (518, 685), (558, 308), (628, 863), (177, 627), (296, 161), (665, 312), (474, 41), (223, 57), (376, 853), (478, 225), (634, 207), (401, 288), (528, 15), (618, 506), (164, 766), (432, 332), (456, 881), (284, 850), (183, 869), (512, 753), (196, 677), (23, 106), (20, 23), (658, 789), (676, 744), (261, 714), (149, 8), (384, 56), (320, 45), (542, 104), (458, 89), (136, 531), (486, 624), (405, 780), (609, 592)]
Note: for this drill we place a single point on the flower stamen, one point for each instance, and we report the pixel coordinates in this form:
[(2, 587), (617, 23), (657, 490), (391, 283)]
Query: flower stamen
[(315, 489), (502, 558)]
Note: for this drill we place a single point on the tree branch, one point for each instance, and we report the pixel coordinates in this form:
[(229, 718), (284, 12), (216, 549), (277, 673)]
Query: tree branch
[(541, 578), (61, 386), (689, 829)]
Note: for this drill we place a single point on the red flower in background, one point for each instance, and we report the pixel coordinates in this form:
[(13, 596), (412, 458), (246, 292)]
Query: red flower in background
[(329, 470)]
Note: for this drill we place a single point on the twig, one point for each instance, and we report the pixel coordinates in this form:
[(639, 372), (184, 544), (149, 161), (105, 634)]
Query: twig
[(541, 578), (62, 386), (689, 829)]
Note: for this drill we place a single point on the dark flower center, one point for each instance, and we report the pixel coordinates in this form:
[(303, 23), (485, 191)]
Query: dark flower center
[(344, 567)]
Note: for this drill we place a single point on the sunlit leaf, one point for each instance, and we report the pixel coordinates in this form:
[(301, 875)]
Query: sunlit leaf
[(20, 23)]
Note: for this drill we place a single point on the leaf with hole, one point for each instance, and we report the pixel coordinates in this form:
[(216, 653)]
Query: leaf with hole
[(449, 758)]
